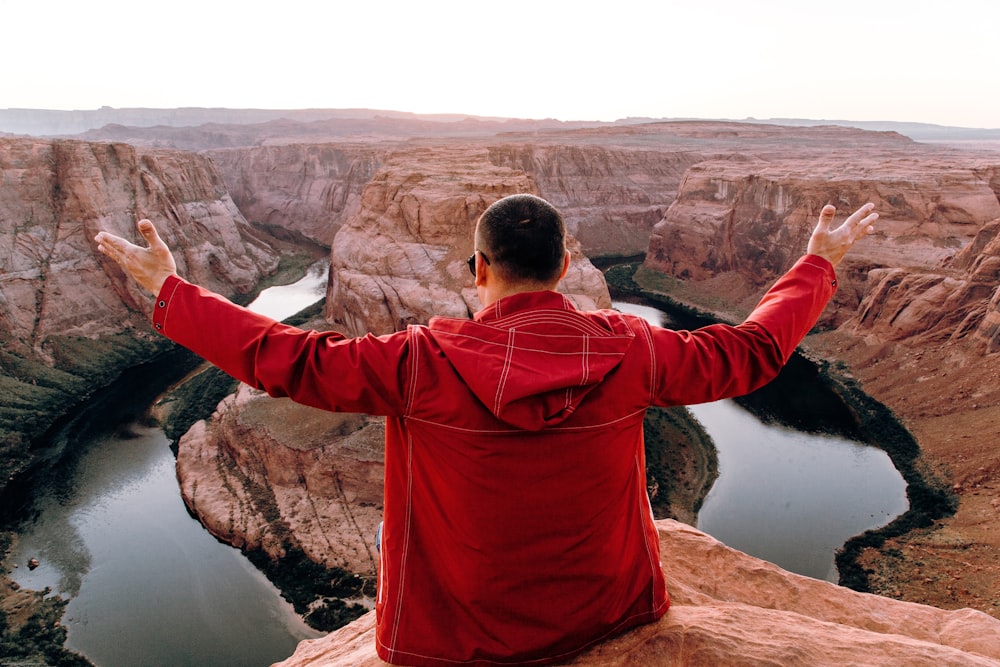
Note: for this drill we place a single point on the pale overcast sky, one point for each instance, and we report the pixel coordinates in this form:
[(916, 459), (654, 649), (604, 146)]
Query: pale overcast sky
[(907, 60)]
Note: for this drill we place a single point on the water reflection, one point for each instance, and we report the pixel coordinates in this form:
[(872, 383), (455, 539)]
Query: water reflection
[(793, 498)]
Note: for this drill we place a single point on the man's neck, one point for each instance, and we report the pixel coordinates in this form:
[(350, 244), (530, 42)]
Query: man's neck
[(496, 290)]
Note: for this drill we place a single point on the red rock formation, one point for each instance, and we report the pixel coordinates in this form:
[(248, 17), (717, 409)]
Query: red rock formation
[(610, 196), (731, 609), (959, 302), (309, 189), (402, 259), (753, 218), (271, 474), (70, 321), (58, 194)]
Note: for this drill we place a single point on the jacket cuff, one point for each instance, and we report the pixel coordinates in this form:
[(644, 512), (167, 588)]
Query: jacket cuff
[(161, 307), (823, 265)]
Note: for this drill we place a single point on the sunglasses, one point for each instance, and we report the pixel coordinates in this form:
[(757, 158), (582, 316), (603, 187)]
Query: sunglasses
[(472, 261)]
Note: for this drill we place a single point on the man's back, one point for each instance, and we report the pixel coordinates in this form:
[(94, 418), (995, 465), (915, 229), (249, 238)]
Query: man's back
[(517, 522)]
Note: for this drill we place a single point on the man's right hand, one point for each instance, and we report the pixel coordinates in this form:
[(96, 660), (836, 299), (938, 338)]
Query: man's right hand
[(151, 266), (833, 244)]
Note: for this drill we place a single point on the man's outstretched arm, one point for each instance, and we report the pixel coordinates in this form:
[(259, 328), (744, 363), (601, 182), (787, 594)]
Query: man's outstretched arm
[(722, 361), (321, 369)]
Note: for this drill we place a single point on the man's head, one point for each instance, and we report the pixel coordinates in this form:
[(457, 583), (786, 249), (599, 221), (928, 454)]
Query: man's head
[(523, 241)]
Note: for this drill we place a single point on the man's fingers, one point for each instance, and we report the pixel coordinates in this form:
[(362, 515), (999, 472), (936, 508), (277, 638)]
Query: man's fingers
[(826, 216), (108, 244), (860, 214), (148, 231)]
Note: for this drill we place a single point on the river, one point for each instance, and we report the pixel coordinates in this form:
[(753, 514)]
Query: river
[(786, 496), (147, 585)]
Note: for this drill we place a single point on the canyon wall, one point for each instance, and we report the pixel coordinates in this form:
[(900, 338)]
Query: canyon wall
[(956, 301), (269, 474), (70, 320), (751, 219), (304, 189), (402, 258), (611, 197)]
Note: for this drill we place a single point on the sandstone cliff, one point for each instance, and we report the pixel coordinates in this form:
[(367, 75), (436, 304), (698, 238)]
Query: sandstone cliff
[(305, 189), (731, 609), (914, 320), (752, 218), (401, 259), (610, 196), (69, 319), (270, 474), (958, 301)]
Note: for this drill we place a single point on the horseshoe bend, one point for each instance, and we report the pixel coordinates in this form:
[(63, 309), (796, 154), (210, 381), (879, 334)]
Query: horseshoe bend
[(717, 210)]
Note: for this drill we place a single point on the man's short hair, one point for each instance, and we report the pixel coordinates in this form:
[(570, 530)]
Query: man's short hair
[(524, 238)]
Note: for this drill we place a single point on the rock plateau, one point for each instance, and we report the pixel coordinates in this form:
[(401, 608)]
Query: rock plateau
[(731, 609)]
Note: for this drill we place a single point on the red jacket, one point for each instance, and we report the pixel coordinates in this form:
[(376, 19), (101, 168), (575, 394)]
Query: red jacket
[(517, 524)]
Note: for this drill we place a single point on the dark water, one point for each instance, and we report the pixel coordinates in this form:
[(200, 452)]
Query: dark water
[(786, 496), (147, 584)]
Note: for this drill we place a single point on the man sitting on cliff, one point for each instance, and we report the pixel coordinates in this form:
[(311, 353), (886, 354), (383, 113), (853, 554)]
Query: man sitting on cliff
[(517, 526)]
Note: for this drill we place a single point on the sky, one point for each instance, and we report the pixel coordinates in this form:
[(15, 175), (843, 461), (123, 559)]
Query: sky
[(909, 61)]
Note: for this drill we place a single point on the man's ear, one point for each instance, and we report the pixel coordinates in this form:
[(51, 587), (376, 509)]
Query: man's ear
[(565, 268), (481, 268)]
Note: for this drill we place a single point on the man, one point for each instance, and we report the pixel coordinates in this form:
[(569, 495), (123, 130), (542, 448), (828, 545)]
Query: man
[(517, 528)]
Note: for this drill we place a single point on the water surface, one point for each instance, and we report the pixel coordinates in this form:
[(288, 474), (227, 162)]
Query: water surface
[(146, 583), (786, 496)]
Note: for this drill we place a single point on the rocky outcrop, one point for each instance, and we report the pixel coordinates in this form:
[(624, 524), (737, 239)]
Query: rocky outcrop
[(913, 317), (59, 194), (268, 474), (959, 302), (304, 189), (611, 197), (752, 218), (70, 320), (731, 609), (402, 258)]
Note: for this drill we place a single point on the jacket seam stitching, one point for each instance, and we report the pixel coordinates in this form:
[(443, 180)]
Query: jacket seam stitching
[(505, 373), (519, 432), (406, 545), (648, 335)]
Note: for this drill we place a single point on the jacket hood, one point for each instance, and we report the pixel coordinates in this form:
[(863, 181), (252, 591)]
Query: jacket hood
[(532, 358)]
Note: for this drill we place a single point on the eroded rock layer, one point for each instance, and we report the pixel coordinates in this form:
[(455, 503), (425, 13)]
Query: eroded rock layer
[(270, 474), (70, 321)]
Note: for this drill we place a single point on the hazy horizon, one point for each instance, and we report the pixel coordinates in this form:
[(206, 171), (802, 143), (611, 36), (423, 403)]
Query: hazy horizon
[(456, 115), (890, 61)]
